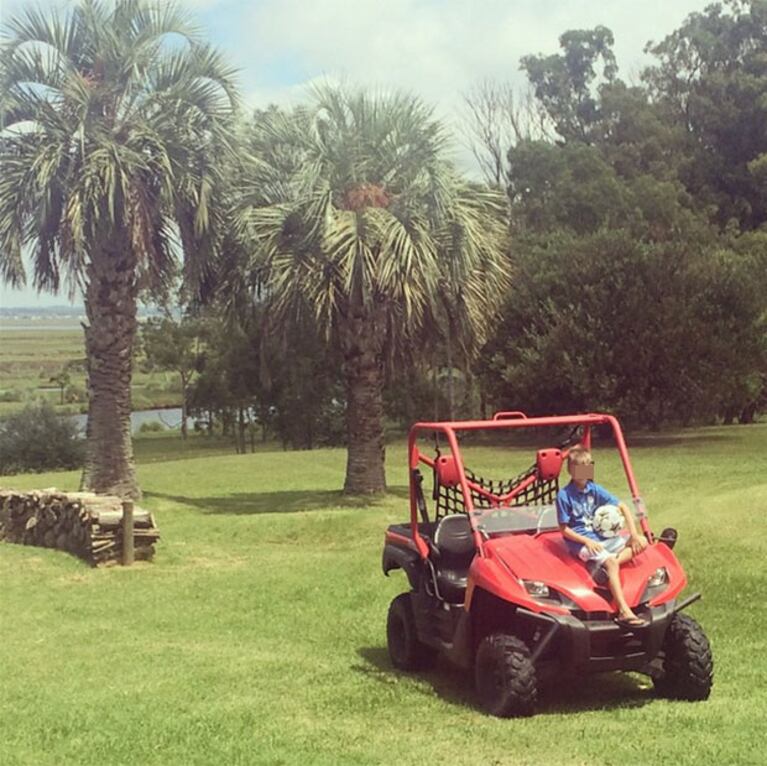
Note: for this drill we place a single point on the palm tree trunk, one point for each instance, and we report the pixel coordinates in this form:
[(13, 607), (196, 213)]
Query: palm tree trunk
[(450, 385), (110, 304), (435, 388), (363, 369)]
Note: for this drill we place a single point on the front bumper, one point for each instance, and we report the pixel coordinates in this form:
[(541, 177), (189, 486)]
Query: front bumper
[(597, 645)]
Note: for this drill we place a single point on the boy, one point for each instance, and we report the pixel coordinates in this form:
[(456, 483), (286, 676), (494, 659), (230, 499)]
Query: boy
[(576, 504)]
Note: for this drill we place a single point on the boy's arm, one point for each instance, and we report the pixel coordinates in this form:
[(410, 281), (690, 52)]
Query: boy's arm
[(638, 541), (594, 546)]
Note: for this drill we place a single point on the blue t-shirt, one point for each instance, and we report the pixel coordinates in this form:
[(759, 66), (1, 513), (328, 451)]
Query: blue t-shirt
[(576, 509)]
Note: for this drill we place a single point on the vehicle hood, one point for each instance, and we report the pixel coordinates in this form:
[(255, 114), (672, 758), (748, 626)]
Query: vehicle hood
[(546, 558)]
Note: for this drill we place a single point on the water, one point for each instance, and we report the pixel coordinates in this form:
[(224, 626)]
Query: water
[(170, 418)]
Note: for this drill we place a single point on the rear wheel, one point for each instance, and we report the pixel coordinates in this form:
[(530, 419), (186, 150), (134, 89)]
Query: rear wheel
[(505, 676), (405, 650), (688, 667)]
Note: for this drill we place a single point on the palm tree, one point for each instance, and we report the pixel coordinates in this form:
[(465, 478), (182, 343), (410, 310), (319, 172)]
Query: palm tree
[(357, 217), (109, 112)]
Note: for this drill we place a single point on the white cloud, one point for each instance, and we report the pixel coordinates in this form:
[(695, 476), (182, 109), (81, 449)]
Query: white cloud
[(438, 48), (435, 48)]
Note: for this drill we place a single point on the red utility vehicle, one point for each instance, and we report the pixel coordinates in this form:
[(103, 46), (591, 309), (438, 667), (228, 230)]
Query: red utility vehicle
[(494, 588)]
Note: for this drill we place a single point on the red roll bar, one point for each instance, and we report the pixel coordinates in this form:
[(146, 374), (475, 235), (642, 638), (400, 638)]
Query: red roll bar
[(506, 420)]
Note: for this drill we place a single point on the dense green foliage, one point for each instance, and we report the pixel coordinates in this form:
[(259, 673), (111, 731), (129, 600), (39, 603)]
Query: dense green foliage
[(564, 84), (258, 636), (640, 267), (37, 439), (287, 385), (711, 76), (174, 345), (658, 331)]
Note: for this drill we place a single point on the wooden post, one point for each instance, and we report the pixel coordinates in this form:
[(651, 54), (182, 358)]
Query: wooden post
[(128, 554)]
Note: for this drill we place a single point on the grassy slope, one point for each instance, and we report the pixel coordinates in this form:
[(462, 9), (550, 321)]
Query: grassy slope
[(258, 634)]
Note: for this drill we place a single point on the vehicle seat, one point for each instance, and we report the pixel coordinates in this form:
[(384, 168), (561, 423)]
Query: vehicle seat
[(453, 553)]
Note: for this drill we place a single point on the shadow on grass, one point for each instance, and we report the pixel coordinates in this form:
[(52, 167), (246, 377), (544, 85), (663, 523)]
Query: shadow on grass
[(168, 447), (448, 682), (606, 691), (250, 503)]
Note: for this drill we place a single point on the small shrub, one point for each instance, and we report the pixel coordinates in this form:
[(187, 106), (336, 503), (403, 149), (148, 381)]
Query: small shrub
[(37, 439), (151, 427), (11, 395)]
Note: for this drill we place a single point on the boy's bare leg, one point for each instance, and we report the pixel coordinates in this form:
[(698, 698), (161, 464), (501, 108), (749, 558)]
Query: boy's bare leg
[(625, 555), (612, 567)]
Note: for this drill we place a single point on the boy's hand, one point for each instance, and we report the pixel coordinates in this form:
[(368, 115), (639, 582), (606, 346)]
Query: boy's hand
[(638, 543), (593, 546)]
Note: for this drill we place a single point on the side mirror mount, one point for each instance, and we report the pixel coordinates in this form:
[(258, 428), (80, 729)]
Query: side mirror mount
[(668, 536)]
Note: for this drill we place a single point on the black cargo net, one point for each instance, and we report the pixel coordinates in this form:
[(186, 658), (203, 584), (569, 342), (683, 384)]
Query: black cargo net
[(450, 499)]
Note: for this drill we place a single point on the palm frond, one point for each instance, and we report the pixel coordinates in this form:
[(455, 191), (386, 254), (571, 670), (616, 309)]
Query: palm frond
[(105, 127), (402, 235)]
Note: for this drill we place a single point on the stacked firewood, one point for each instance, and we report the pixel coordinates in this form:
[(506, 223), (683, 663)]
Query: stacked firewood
[(88, 525)]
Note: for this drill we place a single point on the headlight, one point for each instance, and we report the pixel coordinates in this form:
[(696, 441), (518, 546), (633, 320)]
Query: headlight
[(656, 583), (658, 577), (545, 595), (537, 589)]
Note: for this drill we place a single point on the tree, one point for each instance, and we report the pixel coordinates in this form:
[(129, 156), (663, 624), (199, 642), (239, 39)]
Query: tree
[(108, 145), (635, 136), (564, 82), (495, 118), (711, 76), (355, 215), (659, 332), (568, 186), (288, 383), (301, 386), (175, 344), (37, 439), (62, 379)]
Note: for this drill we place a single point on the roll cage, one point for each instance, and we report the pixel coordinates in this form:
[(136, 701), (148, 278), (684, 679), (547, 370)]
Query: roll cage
[(462, 491)]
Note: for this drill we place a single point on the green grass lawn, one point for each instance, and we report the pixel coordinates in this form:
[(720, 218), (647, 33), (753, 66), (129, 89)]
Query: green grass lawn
[(258, 634)]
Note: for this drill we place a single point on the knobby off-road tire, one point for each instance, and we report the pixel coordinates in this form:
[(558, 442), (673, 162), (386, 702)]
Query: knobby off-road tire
[(505, 676), (405, 650), (688, 667)]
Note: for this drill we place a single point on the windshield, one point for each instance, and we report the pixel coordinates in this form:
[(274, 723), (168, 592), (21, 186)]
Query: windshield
[(521, 518)]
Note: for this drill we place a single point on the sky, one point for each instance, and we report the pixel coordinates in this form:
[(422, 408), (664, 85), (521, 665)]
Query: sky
[(437, 49)]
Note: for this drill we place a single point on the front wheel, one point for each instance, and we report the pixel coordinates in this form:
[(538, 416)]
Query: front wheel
[(505, 676), (688, 667), (405, 650)]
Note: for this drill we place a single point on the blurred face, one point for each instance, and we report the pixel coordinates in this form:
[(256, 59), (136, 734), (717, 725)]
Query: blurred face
[(582, 472)]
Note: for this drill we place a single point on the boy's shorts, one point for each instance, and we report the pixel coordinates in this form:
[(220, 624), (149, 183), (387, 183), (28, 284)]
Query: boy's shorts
[(611, 546)]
